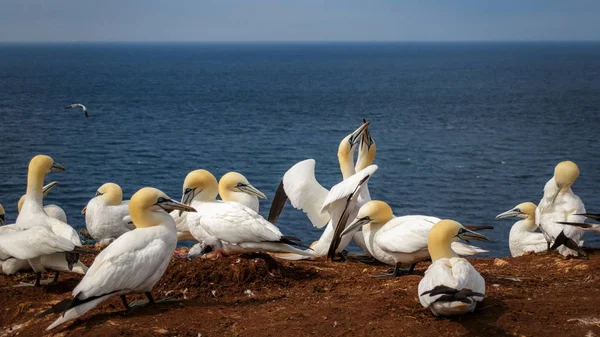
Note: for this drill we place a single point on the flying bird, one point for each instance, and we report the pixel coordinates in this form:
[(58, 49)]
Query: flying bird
[(78, 105)]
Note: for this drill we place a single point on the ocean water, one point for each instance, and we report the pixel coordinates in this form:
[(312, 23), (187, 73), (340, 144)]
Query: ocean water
[(463, 130)]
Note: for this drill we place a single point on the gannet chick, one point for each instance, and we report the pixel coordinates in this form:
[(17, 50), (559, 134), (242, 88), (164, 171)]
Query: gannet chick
[(560, 204), (78, 105), (133, 263), (451, 286), (523, 238), (230, 222), (396, 240), (235, 187), (107, 215)]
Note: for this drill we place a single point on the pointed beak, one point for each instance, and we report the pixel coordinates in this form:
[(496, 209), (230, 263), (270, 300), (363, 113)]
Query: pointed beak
[(357, 223), (247, 188), (57, 168), (508, 214), (46, 189), (187, 197), (172, 205), (356, 136), (555, 195), (467, 235)]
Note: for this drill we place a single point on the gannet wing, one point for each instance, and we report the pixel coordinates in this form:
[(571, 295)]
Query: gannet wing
[(405, 234), (64, 230), (304, 191), (347, 187), (33, 242)]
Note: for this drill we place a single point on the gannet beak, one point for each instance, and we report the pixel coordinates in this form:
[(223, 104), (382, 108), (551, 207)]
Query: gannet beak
[(46, 189), (172, 205), (187, 197), (57, 168), (555, 195), (508, 214), (356, 224), (84, 210), (466, 235), (2, 219), (247, 188), (356, 136)]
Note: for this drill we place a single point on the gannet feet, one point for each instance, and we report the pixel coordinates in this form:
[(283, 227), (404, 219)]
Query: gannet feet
[(368, 259), (150, 301), (396, 271)]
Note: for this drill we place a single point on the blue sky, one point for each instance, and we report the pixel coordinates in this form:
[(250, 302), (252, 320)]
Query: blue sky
[(307, 20)]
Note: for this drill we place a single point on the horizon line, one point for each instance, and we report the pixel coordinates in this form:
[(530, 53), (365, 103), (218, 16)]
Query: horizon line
[(291, 41)]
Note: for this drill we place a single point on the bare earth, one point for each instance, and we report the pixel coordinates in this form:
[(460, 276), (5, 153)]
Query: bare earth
[(534, 295)]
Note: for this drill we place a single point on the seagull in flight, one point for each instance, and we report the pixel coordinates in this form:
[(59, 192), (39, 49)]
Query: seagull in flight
[(78, 105)]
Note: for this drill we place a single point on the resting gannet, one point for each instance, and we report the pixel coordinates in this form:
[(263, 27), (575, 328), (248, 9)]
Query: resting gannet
[(235, 187), (78, 105), (229, 222), (523, 238), (38, 234), (396, 240), (451, 286), (560, 204), (107, 215), (133, 263)]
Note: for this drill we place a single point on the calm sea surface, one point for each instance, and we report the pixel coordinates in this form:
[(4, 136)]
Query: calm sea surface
[(463, 130)]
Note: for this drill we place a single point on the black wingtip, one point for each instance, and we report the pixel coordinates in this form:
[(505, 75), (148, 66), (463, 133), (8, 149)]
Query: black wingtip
[(58, 308), (292, 241), (593, 216), (452, 295), (478, 227), (277, 204)]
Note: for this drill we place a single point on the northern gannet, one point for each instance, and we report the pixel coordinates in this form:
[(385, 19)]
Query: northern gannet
[(133, 263), (78, 105), (235, 187), (396, 240), (523, 238), (451, 286), (229, 222), (53, 211), (560, 204), (38, 234), (107, 215)]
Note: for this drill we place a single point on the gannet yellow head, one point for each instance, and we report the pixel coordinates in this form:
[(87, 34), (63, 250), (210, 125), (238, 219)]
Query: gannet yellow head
[(38, 167), (565, 174), (524, 210), (443, 233), (233, 182), (200, 185), (2, 216), (346, 150), (366, 150), (111, 193), (375, 213), (45, 190), (149, 206)]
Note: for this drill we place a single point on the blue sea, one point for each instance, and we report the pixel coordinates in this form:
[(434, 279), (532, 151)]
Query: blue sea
[(463, 130)]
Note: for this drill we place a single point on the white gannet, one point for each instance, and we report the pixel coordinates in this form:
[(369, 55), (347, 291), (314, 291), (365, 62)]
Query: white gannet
[(523, 238), (235, 187), (451, 286), (78, 105), (107, 215), (133, 263), (53, 211), (560, 204), (396, 240), (229, 222), (38, 234)]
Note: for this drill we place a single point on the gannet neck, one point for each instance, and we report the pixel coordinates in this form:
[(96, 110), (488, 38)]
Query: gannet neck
[(366, 155), (2, 212), (440, 238), (346, 157), (38, 167), (20, 203), (145, 209), (111, 193)]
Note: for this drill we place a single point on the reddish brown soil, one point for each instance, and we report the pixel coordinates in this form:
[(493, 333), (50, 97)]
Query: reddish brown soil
[(534, 295)]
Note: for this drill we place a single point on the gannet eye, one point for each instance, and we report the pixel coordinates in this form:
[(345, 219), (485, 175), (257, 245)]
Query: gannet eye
[(517, 210), (98, 193), (461, 231), (188, 190), (240, 185), (161, 200)]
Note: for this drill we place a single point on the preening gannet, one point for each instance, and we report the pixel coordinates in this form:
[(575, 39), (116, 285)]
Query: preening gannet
[(560, 204), (235, 187), (451, 286), (107, 215), (38, 234), (229, 222), (523, 238), (78, 105), (396, 240), (133, 263)]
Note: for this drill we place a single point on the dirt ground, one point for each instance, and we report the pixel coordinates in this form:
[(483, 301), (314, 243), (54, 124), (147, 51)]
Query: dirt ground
[(534, 295)]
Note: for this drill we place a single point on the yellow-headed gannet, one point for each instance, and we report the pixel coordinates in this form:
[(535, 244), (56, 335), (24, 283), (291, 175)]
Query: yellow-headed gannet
[(229, 222), (523, 238), (133, 263), (560, 204), (451, 286), (396, 240), (107, 215), (78, 105), (235, 187), (53, 211)]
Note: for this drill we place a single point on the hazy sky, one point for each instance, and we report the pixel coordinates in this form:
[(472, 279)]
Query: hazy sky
[(301, 20)]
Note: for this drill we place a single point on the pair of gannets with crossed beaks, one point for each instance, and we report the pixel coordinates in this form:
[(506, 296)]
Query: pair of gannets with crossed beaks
[(399, 240), (560, 204), (523, 238), (107, 215), (233, 187), (133, 263), (451, 286), (320, 205), (37, 233)]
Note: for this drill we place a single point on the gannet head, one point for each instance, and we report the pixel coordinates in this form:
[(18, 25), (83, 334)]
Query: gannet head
[(366, 150), (149, 206), (347, 147), (2, 216), (44, 164), (233, 182), (565, 174), (443, 233), (45, 190), (524, 210), (199, 185), (111, 193), (374, 213)]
